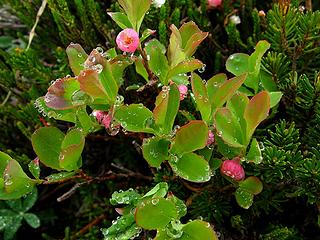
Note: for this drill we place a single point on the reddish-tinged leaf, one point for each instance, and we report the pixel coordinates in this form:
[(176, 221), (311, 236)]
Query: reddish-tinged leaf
[(175, 53), (187, 30), (90, 84), (198, 230), (194, 42), (227, 90), (190, 137), (256, 111), (77, 56), (60, 93)]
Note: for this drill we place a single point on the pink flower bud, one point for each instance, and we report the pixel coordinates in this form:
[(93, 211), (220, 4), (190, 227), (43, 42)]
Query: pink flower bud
[(103, 117), (214, 3), (183, 89), (210, 138), (233, 169), (128, 40)]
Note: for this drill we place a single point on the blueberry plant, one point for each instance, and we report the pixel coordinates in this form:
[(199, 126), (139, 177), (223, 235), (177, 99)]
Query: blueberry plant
[(220, 137)]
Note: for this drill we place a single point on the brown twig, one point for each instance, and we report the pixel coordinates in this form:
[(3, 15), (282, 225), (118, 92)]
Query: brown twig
[(87, 227), (152, 78), (309, 5)]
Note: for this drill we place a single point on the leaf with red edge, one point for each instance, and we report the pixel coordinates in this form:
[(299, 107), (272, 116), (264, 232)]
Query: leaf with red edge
[(191, 37), (198, 230), (175, 51), (60, 94), (190, 137), (227, 90), (90, 84), (201, 96), (14, 182), (77, 56), (252, 185), (256, 111), (167, 106)]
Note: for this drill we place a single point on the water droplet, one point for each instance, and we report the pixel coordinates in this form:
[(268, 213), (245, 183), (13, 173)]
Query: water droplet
[(99, 50), (202, 69), (79, 55), (155, 201), (219, 133)]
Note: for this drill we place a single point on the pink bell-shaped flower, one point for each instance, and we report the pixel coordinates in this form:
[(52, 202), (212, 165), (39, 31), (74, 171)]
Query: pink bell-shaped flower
[(214, 3), (210, 138), (103, 117), (183, 89), (128, 40), (233, 169)]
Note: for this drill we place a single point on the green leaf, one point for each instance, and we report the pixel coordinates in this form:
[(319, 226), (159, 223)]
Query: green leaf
[(267, 81), (57, 177), (29, 200), (77, 56), (135, 10), (6, 41), (15, 182), (121, 19), (140, 69), (229, 128), (32, 220), (5, 218), (190, 137), (71, 149), (180, 205), (167, 106), (146, 33), (129, 197), (155, 150), (244, 198), (13, 227), (160, 190), (155, 213), (237, 105), (198, 230), (4, 160), (214, 83), (227, 90), (34, 168), (122, 229), (158, 62), (256, 111), (275, 98), (46, 143), (61, 94), (184, 67), (175, 52), (226, 150), (237, 63), (201, 96), (86, 123), (134, 118), (191, 167), (252, 185), (254, 154)]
